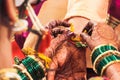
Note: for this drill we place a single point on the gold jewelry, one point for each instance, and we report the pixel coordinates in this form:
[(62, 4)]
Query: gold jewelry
[(105, 54), (100, 46), (23, 69)]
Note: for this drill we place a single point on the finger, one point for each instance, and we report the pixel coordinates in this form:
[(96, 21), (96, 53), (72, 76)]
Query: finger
[(60, 38), (55, 32), (52, 69), (56, 23), (65, 24), (89, 27), (86, 37)]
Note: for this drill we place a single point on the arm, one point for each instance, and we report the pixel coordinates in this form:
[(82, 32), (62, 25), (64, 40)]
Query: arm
[(7, 15), (96, 11), (98, 40), (81, 11)]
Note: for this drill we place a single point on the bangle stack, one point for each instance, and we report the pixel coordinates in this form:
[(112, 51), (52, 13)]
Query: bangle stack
[(103, 56), (36, 64), (30, 69)]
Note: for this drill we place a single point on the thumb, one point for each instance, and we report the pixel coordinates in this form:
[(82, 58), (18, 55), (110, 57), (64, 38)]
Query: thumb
[(85, 37)]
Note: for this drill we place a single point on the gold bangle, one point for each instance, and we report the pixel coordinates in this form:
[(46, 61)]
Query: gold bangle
[(100, 46), (23, 70), (37, 60), (105, 54), (5, 74), (99, 58), (105, 61)]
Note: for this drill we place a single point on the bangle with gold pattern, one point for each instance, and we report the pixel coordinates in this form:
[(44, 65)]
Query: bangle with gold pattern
[(100, 50), (105, 62)]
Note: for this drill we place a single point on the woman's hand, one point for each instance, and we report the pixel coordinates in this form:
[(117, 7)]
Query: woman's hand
[(101, 34), (68, 62), (104, 34)]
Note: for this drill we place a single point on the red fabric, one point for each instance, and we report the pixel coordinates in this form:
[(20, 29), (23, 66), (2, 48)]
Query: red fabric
[(115, 9), (16, 51), (45, 42)]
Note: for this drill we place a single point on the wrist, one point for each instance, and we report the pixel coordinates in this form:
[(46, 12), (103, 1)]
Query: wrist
[(79, 23)]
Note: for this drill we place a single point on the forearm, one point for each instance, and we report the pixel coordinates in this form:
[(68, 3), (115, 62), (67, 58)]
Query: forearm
[(113, 71), (5, 48), (81, 11), (95, 10)]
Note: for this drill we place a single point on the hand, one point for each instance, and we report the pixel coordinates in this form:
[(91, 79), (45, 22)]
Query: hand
[(101, 34), (59, 34), (7, 15), (117, 31), (67, 60), (54, 27), (104, 34)]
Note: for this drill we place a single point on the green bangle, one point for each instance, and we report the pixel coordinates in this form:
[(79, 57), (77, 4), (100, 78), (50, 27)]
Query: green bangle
[(100, 50), (27, 62), (32, 66), (105, 62), (103, 55), (22, 75)]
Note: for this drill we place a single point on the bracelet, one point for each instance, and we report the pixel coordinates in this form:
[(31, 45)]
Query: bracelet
[(39, 61), (41, 57), (100, 50), (105, 62), (22, 75), (23, 71), (103, 55), (112, 21), (32, 66)]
